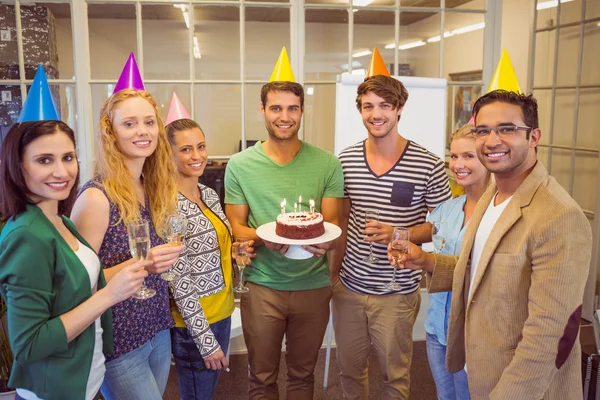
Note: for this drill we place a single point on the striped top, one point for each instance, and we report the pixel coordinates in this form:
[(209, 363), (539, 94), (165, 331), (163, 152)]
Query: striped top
[(402, 196)]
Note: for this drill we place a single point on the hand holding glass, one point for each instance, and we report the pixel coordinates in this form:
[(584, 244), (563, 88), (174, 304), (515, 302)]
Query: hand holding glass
[(139, 245), (371, 215), (174, 232), (439, 241), (397, 251), (241, 259)]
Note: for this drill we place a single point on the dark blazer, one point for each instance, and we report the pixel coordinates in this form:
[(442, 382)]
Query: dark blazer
[(42, 278)]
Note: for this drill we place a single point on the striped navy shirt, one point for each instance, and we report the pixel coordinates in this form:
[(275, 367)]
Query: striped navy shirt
[(402, 195)]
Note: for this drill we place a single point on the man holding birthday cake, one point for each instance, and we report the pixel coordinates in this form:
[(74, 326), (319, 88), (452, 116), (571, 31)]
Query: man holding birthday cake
[(302, 184), (389, 182)]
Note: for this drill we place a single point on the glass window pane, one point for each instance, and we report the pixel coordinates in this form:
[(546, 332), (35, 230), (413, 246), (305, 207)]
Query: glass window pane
[(254, 122), (271, 1), (592, 9), (325, 58), (463, 43), (570, 11), (319, 106), (372, 28), (100, 92), (262, 54), (112, 38), (568, 56), (217, 31), (163, 93), (456, 4), (65, 101), (544, 58), (10, 105), (561, 167), (585, 179), (166, 41), (46, 31), (544, 100), (9, 54), (542, 155), (590, 72), (588, 119), (223, 134), (546, 17), (416, 55), (564, 115)]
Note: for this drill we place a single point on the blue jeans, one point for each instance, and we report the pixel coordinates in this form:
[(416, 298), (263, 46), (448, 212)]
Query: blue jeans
[(449, 386), (196, 382), (140, 374)]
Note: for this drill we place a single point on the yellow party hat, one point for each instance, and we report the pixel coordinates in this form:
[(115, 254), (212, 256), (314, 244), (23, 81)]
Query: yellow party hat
[(283, 69), (505, 77), (377, 66)]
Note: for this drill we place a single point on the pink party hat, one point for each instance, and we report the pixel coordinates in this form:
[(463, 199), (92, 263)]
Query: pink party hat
[(176, 110), (130, 77), (472, 120)]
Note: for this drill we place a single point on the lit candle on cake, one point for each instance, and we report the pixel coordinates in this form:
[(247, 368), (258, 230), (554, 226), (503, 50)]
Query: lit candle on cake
[(283, 207), (312, 205), (300, 203), (295, 207)]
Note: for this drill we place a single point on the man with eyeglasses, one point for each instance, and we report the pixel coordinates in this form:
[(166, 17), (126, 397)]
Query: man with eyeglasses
[(518, 283)]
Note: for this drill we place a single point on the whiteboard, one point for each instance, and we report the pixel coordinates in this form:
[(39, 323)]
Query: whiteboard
[(423, 119)]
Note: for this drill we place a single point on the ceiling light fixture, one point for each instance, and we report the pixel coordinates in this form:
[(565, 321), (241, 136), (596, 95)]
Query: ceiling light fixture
[(362, 54), (412, 45)]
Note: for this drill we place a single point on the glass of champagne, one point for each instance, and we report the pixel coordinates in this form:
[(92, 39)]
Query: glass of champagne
[(241, 259), (398, 250), (176, 226), (371, 215), (139, 245), (437, 235)]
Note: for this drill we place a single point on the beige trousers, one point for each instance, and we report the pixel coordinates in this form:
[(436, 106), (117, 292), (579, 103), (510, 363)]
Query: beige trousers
[(383, 321), (267, 315)]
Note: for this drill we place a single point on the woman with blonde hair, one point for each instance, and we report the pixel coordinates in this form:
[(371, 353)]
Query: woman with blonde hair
[(134, 180), (472, 175)]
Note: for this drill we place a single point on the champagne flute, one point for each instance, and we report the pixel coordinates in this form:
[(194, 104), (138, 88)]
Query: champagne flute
[(139, 245), (241, 257), (372, 215), (174, 232), (398, 250), (437, 235)]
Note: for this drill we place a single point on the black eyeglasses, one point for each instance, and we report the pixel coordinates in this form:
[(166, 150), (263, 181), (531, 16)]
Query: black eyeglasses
[(503, 130)]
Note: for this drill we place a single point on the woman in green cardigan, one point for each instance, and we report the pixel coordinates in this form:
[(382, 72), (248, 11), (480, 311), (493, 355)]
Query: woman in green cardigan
[(58, 302)]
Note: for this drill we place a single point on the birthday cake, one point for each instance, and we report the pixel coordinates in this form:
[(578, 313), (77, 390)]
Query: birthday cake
[(300, 225)]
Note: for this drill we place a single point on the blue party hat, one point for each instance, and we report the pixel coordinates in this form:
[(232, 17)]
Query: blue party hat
[(39, 105)]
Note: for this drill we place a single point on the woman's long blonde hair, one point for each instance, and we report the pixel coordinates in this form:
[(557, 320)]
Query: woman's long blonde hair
[(159, 173)]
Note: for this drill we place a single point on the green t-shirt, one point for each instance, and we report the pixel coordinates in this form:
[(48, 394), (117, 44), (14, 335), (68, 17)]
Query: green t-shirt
[(255, 179)]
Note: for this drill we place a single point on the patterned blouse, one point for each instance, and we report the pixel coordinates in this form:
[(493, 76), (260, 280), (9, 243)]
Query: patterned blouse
[(134, 321)]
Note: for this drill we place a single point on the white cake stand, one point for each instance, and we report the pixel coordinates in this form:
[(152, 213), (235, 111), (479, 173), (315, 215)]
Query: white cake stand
[(295, 251)]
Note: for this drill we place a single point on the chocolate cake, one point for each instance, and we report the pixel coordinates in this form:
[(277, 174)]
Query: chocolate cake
[(300, 225)]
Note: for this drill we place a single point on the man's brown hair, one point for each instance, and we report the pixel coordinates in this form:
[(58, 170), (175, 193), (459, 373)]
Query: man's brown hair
[(282, 86), (386, 87)]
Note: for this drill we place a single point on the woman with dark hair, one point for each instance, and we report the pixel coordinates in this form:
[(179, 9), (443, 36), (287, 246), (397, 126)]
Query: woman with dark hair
[(203, 297), (59, 319)]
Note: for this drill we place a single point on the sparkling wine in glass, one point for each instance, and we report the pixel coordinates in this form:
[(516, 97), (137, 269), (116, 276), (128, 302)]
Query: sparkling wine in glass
[(437, 235), (397, 251), (241, 259), (371, 215), (139, 245), (174, 232)]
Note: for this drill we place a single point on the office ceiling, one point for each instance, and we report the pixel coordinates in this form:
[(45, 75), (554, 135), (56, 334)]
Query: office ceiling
[(262, 14)]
